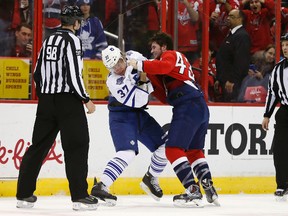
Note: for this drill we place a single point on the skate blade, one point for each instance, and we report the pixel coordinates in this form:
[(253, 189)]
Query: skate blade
[(147, 190), (216, 202), (77, 206), (281, 198), (24, 204), (110, 202), (107, 202), (196, 203)]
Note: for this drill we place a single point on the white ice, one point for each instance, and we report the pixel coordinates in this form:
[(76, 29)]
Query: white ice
[(242, 204)]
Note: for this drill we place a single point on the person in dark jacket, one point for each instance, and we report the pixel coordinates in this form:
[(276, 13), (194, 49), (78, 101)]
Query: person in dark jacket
[(233, 57)]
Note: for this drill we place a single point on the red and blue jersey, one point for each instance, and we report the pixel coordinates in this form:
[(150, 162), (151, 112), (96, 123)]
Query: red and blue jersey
[(171, 71)]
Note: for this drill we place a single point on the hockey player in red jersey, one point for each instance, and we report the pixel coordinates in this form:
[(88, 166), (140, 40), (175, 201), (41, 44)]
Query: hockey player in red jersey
[(173, 81)]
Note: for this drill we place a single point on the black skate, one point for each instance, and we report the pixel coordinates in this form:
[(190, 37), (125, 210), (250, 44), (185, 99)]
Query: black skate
[(211, 194), (151, 186), (100, 191), (26, 202), (281, 194), (87, 203), (191, 198)]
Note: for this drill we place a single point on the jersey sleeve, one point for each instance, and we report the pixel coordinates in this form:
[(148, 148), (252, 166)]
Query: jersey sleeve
[(163, 66), (131, 54), (171, 63), (126, 90), (37, 73), (271, 99), (75, 64)]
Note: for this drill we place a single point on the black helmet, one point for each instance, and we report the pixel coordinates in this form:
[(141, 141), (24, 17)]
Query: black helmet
[(284, 37), (81, 2), (70, 14)]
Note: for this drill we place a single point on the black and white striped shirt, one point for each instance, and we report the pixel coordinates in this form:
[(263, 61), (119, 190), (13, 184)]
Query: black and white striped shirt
[(59, 65), (277, 88)]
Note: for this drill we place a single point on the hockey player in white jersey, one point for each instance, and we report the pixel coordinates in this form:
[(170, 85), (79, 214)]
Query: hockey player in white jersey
[(129, 123)]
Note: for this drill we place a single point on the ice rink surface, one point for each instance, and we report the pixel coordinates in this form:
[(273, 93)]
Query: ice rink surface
[(250, 205)]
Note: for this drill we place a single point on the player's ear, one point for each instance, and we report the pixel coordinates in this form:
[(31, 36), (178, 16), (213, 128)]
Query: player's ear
[(164, 47)]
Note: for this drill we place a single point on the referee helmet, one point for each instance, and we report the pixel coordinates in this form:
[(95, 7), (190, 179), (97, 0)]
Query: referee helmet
[(81, 2), (70, 14)]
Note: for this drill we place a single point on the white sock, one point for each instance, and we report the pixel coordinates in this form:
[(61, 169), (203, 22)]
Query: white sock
[(116, 166)]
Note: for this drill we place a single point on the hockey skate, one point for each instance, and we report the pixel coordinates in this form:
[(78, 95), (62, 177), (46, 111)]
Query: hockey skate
[(151, 186), (100, 191), (87, 203), (26, 202), (211, 194), (191, 198), (281, 195)]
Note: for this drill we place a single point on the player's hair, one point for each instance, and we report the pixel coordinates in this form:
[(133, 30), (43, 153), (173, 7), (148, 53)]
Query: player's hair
[(162, 39)]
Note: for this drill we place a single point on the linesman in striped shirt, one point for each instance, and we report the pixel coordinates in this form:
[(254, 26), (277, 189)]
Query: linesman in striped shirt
[(278, 92), (61, 92)]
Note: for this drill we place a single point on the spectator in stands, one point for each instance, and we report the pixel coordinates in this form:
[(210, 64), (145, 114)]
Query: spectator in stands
[(284, 23), (22, 13), (141, 21), (153, 18), (138, 19), (6, 11), (219, 10), (197, 70), (265, 60), (20, 45), (284, 3), (255, 84), (188, 28), (284, 20), (233, 57), (98, 7), (91, 32), (26, 11), (71, 2), (258, 20), (112, 10), (52, 11)]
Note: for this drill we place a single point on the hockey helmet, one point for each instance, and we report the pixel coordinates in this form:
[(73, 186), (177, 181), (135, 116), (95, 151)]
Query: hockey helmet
[(111, 56), (70, 14), (81, 2)]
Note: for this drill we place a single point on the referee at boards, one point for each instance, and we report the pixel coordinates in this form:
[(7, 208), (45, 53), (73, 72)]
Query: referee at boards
[(278, 92), (61, 92)]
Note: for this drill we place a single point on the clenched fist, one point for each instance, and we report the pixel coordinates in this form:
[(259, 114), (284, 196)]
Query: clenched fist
[(133, 63)]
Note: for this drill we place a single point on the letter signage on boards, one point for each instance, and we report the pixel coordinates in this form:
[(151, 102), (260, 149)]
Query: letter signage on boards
[(14, 78), (95, 76)]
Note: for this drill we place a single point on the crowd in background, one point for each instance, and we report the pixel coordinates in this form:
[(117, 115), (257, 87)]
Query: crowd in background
[(142, 20)]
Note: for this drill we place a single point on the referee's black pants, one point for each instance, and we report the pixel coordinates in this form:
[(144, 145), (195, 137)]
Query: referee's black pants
[(65, 113), (280, 147)]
